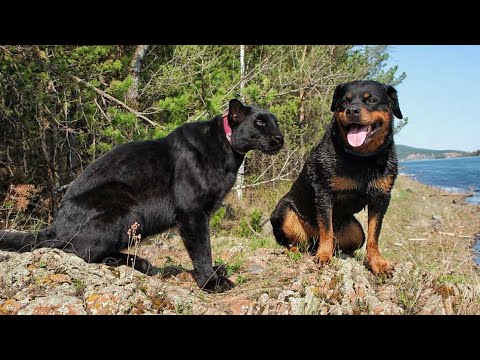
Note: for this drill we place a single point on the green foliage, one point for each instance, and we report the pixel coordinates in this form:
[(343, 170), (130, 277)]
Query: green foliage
[(250, 225), (55, 121), (119, 88), (176, 108), (255, 220), (242, 229), (217, 218)]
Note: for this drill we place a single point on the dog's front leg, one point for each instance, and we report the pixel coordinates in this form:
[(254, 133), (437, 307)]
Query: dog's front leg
[(377, 207), (325, 250), (195, 232)]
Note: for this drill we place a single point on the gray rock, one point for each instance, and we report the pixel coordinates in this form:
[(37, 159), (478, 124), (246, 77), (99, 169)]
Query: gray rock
[(49, 281), (54, 305)]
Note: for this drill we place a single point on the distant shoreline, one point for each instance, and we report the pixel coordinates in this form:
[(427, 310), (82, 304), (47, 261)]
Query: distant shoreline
[(405, 152), (437, 158)]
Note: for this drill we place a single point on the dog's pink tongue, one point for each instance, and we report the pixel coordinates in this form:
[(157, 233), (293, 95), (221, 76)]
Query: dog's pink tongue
[(356, 135)]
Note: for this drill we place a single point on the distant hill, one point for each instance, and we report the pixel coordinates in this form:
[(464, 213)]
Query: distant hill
[(411, 153)]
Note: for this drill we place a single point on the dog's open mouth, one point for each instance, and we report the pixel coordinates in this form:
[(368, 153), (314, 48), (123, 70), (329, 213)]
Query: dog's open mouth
[(357, 134)]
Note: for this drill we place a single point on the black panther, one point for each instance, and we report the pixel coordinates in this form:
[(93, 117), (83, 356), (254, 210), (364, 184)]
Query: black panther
[(179, 180)]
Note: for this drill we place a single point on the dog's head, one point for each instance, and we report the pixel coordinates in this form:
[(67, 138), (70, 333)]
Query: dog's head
[(364, 113), (254, 128)]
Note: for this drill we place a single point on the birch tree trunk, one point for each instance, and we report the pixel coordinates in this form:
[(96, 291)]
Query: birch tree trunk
[(135, 67), (241, 170)]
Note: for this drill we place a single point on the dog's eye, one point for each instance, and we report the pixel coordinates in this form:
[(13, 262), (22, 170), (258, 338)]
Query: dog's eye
[(260, 123), (372, 100), (344, 102)]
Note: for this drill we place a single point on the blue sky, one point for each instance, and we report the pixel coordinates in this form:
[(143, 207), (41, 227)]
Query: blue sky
[(440, 95)]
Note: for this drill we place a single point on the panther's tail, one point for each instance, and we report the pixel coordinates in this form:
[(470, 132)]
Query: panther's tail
[(25, 241)]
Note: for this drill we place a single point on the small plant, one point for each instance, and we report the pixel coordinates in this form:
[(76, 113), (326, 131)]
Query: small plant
[(241, 279), (79, 287), (407, 300), (133, 242), (231, 268), (183, 308), (15, 205), (360, 254), (360, 307), (20, 195), (217, 218), (256, 220), (242, 229), (250, 225), (295, 256)]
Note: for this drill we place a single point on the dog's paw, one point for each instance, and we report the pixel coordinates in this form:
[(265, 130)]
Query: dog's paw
[(144, 266), (380, 267), (220, 270), (218, 284), (322, 258)]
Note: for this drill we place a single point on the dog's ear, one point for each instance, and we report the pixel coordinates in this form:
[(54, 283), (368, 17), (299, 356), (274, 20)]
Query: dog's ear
[(393, 98), (336, 96), (236, 111)]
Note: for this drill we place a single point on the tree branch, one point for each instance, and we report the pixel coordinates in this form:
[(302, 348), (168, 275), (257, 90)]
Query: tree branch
[(111, 98), (103, 94)]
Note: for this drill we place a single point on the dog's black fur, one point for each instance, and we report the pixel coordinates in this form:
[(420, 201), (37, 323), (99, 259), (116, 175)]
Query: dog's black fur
[(339, 179), (179, 180)]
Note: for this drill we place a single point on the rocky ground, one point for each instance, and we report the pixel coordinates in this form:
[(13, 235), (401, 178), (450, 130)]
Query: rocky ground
[(430, 245), (52, 282)]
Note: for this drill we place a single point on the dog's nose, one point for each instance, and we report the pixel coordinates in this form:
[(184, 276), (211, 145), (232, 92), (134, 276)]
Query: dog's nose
[(278, 138), (353, 111)]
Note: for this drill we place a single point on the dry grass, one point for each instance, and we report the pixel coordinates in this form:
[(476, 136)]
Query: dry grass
[(17, 211), (411, 233)]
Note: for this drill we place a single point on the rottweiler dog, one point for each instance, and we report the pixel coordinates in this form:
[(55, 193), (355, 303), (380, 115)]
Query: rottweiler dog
[(353, 167), (179, 180)]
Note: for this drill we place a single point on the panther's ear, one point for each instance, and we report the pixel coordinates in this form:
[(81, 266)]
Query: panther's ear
[(236, 111), (336, 97), (393, 98)]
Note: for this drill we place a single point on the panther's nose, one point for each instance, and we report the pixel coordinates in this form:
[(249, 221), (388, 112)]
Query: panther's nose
[(353, 111), (278, 138)]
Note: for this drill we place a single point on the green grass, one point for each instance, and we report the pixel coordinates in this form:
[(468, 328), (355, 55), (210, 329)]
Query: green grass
[(256, 242), (295, 256), (230, 267), (454, 278), (241, 279)]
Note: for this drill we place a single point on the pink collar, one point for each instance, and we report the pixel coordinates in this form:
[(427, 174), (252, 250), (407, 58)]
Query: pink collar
[(226, 127)]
